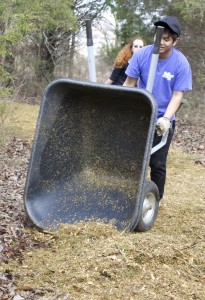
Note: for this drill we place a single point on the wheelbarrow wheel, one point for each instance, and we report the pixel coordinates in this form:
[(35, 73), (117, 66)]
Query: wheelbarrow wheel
[(150, 207)]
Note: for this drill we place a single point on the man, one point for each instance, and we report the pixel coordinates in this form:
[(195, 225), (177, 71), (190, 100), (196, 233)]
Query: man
[(172, 79)]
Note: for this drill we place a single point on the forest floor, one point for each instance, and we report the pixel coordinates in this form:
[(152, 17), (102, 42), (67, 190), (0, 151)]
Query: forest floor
[(95, 261)]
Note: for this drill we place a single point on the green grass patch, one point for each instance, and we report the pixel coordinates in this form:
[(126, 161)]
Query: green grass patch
[(20, 122)]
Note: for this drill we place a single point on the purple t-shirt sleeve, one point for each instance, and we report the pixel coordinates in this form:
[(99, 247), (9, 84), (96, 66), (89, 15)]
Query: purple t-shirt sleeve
[(183, 80), (133, 67)]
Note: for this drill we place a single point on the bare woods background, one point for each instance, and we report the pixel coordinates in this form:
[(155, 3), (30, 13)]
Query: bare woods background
[(44, 40)]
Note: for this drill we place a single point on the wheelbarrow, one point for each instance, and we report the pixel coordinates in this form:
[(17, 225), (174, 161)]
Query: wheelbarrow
[(90, 157)]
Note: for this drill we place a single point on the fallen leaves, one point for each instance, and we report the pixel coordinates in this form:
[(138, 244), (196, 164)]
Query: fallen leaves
[(192, 139)]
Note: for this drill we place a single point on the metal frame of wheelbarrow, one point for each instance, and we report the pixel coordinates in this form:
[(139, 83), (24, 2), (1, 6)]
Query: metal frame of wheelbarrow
[(90, 155)]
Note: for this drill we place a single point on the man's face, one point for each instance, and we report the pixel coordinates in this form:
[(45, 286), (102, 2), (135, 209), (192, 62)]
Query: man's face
[(166, 45)]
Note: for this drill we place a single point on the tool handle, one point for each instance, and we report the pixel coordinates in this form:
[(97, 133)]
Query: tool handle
[(91, 56), (89, 32), (151, 76), (154, 61), (158, 38)]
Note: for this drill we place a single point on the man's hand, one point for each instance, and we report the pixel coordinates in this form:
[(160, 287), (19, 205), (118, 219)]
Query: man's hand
[(163, 125)]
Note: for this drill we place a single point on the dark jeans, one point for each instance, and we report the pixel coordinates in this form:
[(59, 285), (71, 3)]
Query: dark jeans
[(158, 161)]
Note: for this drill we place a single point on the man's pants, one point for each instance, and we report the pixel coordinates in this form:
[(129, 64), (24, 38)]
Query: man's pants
[(158, 161)]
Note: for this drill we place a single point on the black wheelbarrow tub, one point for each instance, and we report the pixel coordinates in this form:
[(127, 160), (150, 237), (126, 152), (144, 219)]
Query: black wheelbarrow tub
[(90, 154)]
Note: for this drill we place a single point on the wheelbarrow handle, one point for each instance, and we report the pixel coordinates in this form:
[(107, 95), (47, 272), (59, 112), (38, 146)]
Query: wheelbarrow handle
[(161, 143), (91, 56), (151, 77), (154, 60)]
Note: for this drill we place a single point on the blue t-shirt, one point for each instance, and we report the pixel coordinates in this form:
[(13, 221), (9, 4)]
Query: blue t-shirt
[(172, 74)]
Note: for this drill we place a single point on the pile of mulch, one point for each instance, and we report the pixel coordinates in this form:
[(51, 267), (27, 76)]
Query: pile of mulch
[(13, 220)]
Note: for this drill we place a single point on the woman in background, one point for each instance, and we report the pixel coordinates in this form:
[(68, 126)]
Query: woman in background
[(118, 75)]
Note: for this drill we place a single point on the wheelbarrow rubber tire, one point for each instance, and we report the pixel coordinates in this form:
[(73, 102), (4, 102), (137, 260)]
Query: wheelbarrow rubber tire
[(150, 207)]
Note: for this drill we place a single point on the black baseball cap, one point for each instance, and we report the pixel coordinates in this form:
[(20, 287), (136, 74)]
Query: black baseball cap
[(170, 22)]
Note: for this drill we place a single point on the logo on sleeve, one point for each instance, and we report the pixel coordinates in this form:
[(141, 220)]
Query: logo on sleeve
[(168, 75)]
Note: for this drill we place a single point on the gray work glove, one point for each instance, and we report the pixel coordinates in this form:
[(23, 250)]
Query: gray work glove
[(162, 126)]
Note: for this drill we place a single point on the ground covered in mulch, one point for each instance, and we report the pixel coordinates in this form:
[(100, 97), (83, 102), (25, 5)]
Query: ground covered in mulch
[(94, 261)]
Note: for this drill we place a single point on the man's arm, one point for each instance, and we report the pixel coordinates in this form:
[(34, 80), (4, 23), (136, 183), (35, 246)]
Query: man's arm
[(163, 123), (174, 104), (130, 82)]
